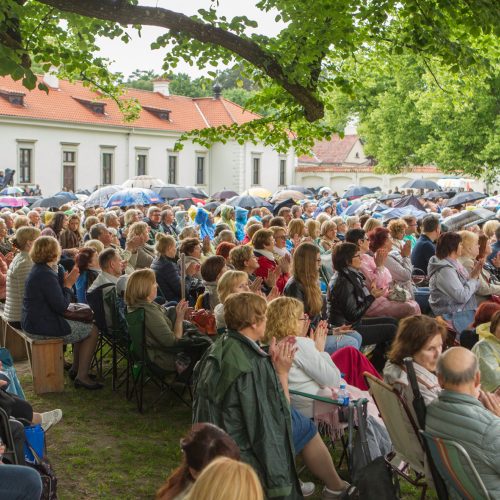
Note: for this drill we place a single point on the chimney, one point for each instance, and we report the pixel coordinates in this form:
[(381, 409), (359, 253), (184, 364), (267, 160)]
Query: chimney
[(162, 87), (217, 89), (50, 78)]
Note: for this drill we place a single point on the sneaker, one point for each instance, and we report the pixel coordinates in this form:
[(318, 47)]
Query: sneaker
[(50, 418), (332, 494), (307, 488)]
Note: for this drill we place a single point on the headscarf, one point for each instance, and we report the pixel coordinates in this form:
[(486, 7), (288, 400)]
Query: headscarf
[(179, 218), (241, 220), (206, 226), (226, 213)]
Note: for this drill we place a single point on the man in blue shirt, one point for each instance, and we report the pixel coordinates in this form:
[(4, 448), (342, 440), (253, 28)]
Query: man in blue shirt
[(425, 247), (495, 247)]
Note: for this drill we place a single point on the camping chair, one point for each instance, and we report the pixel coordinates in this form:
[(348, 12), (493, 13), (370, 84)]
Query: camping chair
[(8, 439), (456, 468), (403, 430), (143, 370), (347, 442)]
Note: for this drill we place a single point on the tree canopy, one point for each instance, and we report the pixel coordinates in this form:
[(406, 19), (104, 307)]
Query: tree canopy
[(295, 71)]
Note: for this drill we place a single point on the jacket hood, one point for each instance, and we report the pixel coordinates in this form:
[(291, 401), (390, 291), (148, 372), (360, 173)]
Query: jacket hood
[(241, 215), (436, 265)]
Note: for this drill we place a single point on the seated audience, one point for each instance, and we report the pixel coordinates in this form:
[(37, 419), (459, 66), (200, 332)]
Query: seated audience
[(143, 254), (465, 414), (87, 261), (425, 247), (230, 282), (495, 247), (71, 237), (5, 243), (211, 271)]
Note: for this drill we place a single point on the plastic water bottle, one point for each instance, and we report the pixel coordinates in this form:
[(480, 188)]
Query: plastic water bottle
[(343, 394)]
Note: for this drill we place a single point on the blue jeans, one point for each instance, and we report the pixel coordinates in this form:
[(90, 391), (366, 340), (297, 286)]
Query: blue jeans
[(422, 298), (19, 482), (336, 342)]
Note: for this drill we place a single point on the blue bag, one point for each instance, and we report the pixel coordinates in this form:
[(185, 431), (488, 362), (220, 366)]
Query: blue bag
[(9, 370), (35, 436)]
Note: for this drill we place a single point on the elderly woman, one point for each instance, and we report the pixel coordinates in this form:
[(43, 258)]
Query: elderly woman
[(421, 338), (43, 311), (230, 282), (87, 261), (328, 236), (452, 287), (71, 237), (143, 255), (341, 227), (17, 274), (487, 351), (488, 284), (5, 244), (373, 267), (279, 234)]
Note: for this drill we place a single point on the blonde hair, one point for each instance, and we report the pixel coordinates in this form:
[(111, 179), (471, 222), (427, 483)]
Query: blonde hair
[(490, 227), (251, 229), (136, 229), (188, 232), (95, 244), (90, 221), (139, 285), (239, 255), (129, 216), (296, 226), (326, 226), (313, 228), (45, 249), (25, 234), (468, 239), (305, 272), (397, 227), (227, 479), (371, 224), (282, 315), (163, 243), (21, 221), (322, 218), (228, 282), (245, 309)]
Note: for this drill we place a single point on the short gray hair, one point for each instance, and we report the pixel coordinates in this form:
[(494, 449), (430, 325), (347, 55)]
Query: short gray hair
[(450, 376)]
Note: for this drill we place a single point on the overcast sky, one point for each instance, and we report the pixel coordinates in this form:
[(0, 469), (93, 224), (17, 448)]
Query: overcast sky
[(137, 54)]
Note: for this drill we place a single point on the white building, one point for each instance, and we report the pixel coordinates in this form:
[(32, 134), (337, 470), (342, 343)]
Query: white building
[(72, 138), (339, 163)]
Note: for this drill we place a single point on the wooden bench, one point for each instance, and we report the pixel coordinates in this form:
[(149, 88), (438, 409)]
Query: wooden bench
[(45, 357)]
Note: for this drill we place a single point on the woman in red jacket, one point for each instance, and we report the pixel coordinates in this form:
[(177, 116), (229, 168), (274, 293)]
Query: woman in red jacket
[(270, 268)]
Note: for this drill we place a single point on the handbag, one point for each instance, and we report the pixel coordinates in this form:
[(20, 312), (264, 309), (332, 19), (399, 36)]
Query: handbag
[(398, 294), (204, 320), (79, 312)]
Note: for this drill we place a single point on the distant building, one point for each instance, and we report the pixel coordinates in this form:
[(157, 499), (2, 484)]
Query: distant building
[(73, 138), (339, 163)]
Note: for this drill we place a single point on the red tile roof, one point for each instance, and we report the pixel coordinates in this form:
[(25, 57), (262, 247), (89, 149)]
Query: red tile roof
[(328, 151), (66, 104)]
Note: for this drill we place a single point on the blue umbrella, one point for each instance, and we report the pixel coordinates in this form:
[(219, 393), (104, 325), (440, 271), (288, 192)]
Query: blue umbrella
[(133, 196), (397, 213), (357, 192), (50, 202), (351, 209), (100, 196), (11, 190), (69, 196)]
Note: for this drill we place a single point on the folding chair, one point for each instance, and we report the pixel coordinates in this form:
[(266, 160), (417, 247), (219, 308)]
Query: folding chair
[(403, 430), (8, 439), (456, 468), (143, 370)]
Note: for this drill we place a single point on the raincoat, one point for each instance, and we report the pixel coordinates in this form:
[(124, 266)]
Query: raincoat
[(226, 215), (487, 351), (237, 389), (241, 220), (205, 224)]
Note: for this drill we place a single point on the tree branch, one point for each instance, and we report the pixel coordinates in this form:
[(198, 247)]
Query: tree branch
[(127, 14)]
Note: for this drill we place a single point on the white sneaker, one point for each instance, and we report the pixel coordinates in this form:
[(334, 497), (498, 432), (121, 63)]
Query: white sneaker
[(50, 418), (307, 488), (331, 494)]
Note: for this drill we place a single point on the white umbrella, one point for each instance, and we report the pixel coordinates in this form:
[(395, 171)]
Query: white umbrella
[(287, 194), (143, 181)]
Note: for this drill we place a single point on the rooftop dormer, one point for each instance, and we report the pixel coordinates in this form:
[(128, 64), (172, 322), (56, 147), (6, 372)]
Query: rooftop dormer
[(15, 98), (99, 108)]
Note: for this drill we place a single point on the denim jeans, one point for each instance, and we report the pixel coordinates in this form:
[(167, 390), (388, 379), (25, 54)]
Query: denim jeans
[(336, 342), (19, 482)]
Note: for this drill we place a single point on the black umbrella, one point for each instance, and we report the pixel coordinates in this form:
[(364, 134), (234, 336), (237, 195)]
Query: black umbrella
[(187, 202), (391, 196), (465, 197), (50, 202), (434, 195), (357, 192), (32, 199), (172, 191), (224, 195), (422, 184), (248, 202), (67, 195), (408, 200), (211, 205), (84, 191), (197, 192), (285, 203), (300, 189)]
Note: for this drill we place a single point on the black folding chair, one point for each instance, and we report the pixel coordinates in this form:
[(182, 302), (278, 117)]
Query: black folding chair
[(8, 439)]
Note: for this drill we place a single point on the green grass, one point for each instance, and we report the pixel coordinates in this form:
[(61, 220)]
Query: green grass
[(103, 448)]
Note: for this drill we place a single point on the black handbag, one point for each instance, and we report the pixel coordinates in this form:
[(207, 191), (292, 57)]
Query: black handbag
[(79, 312)]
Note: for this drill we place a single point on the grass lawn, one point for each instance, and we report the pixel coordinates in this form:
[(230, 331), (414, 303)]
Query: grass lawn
[(103, 448)]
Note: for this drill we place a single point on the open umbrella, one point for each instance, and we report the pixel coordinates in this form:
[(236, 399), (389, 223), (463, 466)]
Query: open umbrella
[(212, 205), (143, 181), (172, 191), (491, 202), (467, 218), (300, 189), (83, 191), (408, 200), (69, 196), (357, 192), (391, 196), (286, 194), (12, 190), (421, 184), (133, 196), (434, 195), (31, 199), (224, 195), (100, 196), (258, 191), (397, 213), (465, 197), (197, 192), (50, 202), (248, 202), (12, 202), (285, 203)]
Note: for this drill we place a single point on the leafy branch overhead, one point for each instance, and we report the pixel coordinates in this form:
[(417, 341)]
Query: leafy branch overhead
[(296, 70)]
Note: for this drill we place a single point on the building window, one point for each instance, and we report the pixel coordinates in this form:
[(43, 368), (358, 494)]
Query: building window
[(142, 163), (69, 169), (282, 180), (25, 165), (255, 171), (106, 168), (172, 169), (200, 170)]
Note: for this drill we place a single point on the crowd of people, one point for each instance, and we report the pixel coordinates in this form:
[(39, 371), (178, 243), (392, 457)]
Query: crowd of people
[(302, 299)]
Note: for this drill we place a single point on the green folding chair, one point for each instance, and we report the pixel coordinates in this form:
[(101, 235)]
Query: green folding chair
[(456, 468)]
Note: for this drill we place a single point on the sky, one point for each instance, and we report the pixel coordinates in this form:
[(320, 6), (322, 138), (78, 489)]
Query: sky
[(137, 54)]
